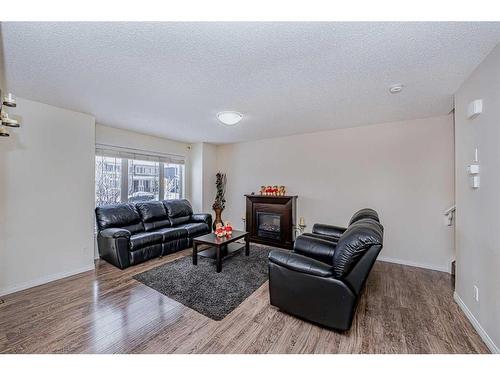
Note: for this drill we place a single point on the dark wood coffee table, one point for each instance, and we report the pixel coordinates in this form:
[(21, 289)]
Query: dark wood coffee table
[(219, 246)]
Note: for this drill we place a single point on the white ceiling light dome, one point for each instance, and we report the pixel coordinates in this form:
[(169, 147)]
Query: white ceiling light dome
[(229, 117), (396, 89)]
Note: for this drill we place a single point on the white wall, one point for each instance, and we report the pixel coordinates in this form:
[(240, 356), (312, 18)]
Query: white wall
[(478, 218), (46, 196), (203, 170), (196, 173), (209, 171), (403, 170), (124, 138)]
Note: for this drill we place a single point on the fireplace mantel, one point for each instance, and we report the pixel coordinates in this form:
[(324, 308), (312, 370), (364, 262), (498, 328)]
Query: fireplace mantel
[(271, 220)]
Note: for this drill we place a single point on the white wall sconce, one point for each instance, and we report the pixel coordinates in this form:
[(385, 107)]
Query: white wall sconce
[(475, 108), (7, 101)]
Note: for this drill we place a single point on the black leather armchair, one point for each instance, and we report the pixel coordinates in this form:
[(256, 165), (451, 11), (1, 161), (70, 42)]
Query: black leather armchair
[(332, 233), (132, 233), (322, 278)]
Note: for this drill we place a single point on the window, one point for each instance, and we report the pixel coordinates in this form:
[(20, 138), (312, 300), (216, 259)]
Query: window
[(122, 176), (107, 180), (144, 180), (173, 175)]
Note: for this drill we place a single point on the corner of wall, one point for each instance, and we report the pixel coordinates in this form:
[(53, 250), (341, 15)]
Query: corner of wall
[(475, 323)]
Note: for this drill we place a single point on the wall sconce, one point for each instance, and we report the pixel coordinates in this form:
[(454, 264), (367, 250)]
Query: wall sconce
[(7, 101)]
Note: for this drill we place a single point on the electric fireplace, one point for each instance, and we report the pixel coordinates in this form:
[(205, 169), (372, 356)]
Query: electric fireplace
[(270, 220)]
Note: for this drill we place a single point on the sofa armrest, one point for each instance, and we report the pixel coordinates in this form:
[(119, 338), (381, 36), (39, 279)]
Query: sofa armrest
[(202, 218), (328, 230), (115, 233), (315, 248), (113, 245), (300, 263)]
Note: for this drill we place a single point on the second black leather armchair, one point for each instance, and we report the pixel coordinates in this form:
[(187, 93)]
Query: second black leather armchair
[(322, 278)]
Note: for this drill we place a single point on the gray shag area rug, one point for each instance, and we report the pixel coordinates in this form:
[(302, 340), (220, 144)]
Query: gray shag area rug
[(202, 289)]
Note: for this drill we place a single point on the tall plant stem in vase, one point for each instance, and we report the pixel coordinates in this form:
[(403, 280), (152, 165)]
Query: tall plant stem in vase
[(220, 201)]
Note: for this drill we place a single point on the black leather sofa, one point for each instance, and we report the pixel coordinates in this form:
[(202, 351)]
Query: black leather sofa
[(322, 278), (129, 233)]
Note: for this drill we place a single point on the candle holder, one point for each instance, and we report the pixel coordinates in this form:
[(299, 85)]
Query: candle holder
[(10, 122), (299, 229), (7, 101)]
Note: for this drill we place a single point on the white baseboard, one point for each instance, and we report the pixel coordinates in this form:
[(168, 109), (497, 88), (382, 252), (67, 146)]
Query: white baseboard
[(477, 326), (44, 280), (415, 264)]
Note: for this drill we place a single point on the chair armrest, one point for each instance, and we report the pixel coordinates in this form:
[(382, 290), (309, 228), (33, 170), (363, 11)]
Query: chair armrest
[(202, 218), (300, 263), (334, 240), (328, 230), (115, 233), (315, 248)]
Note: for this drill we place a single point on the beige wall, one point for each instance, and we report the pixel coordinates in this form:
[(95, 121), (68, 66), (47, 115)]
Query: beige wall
[(125, 138), (46, 196), (196, 176), (403, 170), (478, 219), (203, 169), (209, 171)]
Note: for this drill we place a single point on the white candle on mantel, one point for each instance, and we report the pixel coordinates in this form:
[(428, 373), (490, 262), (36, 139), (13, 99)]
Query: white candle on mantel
[(302, 222)]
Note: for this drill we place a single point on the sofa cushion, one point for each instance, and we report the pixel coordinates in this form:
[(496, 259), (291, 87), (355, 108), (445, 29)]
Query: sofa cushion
[(140, 240), (354, 243), (171, 234), (145, 253), (365, 213), (179, 210), (195, 229), (153, 214), (122, 215)]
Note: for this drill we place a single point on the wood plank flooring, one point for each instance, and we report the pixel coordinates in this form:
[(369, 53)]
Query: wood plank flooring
[(403, 310)]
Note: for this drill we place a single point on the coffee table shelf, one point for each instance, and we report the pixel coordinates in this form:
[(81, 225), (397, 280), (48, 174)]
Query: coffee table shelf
[(220, 247), (211, 252)]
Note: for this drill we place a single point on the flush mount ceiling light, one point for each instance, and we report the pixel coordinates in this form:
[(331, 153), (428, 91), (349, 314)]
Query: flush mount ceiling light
[(396, 89), (229, 117)]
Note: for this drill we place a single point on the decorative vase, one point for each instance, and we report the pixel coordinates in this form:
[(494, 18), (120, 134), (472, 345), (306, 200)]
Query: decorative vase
[(218, 218)]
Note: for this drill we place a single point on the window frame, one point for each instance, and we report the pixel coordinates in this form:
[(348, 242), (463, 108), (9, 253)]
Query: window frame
[(125, 155)]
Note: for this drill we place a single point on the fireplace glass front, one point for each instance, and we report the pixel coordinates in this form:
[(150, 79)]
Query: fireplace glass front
[(269, 225)]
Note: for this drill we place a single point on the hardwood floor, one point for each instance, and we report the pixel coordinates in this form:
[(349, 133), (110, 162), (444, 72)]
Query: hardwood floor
[(403, 310)]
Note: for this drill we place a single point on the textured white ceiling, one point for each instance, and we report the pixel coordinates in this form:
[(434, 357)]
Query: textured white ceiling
[(171, 79)]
